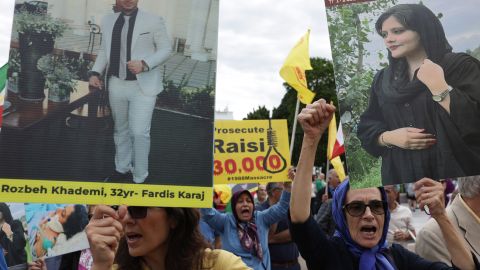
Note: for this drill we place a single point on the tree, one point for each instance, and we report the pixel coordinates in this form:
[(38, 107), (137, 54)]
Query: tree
[(261, 113), (475, 53), (321, 81)]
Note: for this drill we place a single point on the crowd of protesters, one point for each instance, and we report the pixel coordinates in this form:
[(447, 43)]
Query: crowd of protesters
[(350, 229)]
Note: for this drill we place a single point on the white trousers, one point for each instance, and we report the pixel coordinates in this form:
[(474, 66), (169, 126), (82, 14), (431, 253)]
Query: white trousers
[(132, 115)]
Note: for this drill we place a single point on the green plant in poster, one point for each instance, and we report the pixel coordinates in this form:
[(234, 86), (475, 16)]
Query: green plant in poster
[(349, 27)]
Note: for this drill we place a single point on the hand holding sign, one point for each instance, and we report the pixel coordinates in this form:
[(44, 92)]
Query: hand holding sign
[(104, 232)]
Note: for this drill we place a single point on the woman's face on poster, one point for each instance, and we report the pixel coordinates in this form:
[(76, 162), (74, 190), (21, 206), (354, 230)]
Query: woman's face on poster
[(400, 41)]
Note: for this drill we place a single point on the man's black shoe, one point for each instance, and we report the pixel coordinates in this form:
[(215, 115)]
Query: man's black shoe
[(117, 177)]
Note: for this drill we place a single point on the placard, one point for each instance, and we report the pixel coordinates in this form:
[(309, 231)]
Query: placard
[(251, 151), (404, 117), (142, 134)]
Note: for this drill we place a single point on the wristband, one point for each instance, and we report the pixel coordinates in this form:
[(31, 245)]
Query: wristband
[(383, 141)]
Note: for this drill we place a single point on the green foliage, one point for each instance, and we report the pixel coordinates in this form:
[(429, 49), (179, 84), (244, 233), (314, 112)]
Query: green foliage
[(80, 66), (475, 53), (26, 22), (349, 27), (261, 113), (320, 80), (58, 74), (191, 100), (13, 62)]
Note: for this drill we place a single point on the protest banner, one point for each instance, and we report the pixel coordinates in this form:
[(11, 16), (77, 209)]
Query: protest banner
[(59, 140), (407, 77), (250, 151)]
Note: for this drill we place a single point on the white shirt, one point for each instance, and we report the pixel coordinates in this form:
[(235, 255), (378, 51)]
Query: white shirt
[(400, 219)]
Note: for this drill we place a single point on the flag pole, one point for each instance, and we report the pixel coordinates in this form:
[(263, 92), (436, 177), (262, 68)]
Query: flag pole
[(327, 174), (292, 139)]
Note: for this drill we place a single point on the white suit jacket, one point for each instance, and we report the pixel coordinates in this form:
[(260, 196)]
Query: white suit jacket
[(430, 243), (150, 43)]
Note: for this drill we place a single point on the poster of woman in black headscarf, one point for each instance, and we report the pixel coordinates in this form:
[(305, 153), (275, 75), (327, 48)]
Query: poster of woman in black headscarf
[(409, 88)]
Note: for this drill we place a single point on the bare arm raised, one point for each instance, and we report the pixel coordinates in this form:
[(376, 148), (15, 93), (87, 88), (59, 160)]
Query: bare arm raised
[(314, 120), (430, 193)]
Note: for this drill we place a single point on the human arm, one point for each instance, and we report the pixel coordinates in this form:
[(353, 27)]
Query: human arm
[(430, 244), (314, 119), (162, 44), (429, 192), (276, 212), (375, 135), (104, 232), (101, 62), (432, 75), (275, 237), (214, 218), (407, 138)]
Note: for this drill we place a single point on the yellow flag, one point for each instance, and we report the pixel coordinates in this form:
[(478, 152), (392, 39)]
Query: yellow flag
[(332, 138), (293, 69), (338, 166)]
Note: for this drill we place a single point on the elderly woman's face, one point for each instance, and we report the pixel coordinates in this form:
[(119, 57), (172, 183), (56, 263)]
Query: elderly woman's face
[(244, 208), (367, 228), (400, 41)]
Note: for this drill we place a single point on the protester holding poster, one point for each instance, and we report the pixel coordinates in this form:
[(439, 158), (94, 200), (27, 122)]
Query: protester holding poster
[(245, 231), (153, 238), (423, 116), (361, 216)]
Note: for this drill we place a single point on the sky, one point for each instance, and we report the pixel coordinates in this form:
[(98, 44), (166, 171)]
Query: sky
[(255, 37)]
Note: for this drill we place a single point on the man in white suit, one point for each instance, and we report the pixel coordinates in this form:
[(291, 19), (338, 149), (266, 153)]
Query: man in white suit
[(464, 214), (135, 45)]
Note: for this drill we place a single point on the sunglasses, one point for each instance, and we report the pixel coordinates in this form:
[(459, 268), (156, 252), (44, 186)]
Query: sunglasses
[(135, 212), (358, 208)]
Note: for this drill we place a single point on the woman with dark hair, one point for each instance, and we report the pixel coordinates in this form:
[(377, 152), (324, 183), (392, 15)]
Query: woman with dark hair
[(423, 116), (361, 216), (244, 232), (12, 237), (152, 238)]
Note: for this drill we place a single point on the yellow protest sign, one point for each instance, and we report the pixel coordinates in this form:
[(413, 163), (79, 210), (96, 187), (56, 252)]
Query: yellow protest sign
[(250, 151), (105, 193)]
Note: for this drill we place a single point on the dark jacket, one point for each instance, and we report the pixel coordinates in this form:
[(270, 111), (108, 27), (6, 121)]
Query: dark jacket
[(15, 249), (321, 252), (395, 105)]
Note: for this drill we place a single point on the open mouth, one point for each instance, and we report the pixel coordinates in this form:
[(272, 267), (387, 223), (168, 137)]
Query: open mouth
[(368, 230), (133, 237)]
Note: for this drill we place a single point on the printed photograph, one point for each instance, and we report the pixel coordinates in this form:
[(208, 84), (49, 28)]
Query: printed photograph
[(55, 229), (111, 91), (408, 78)]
